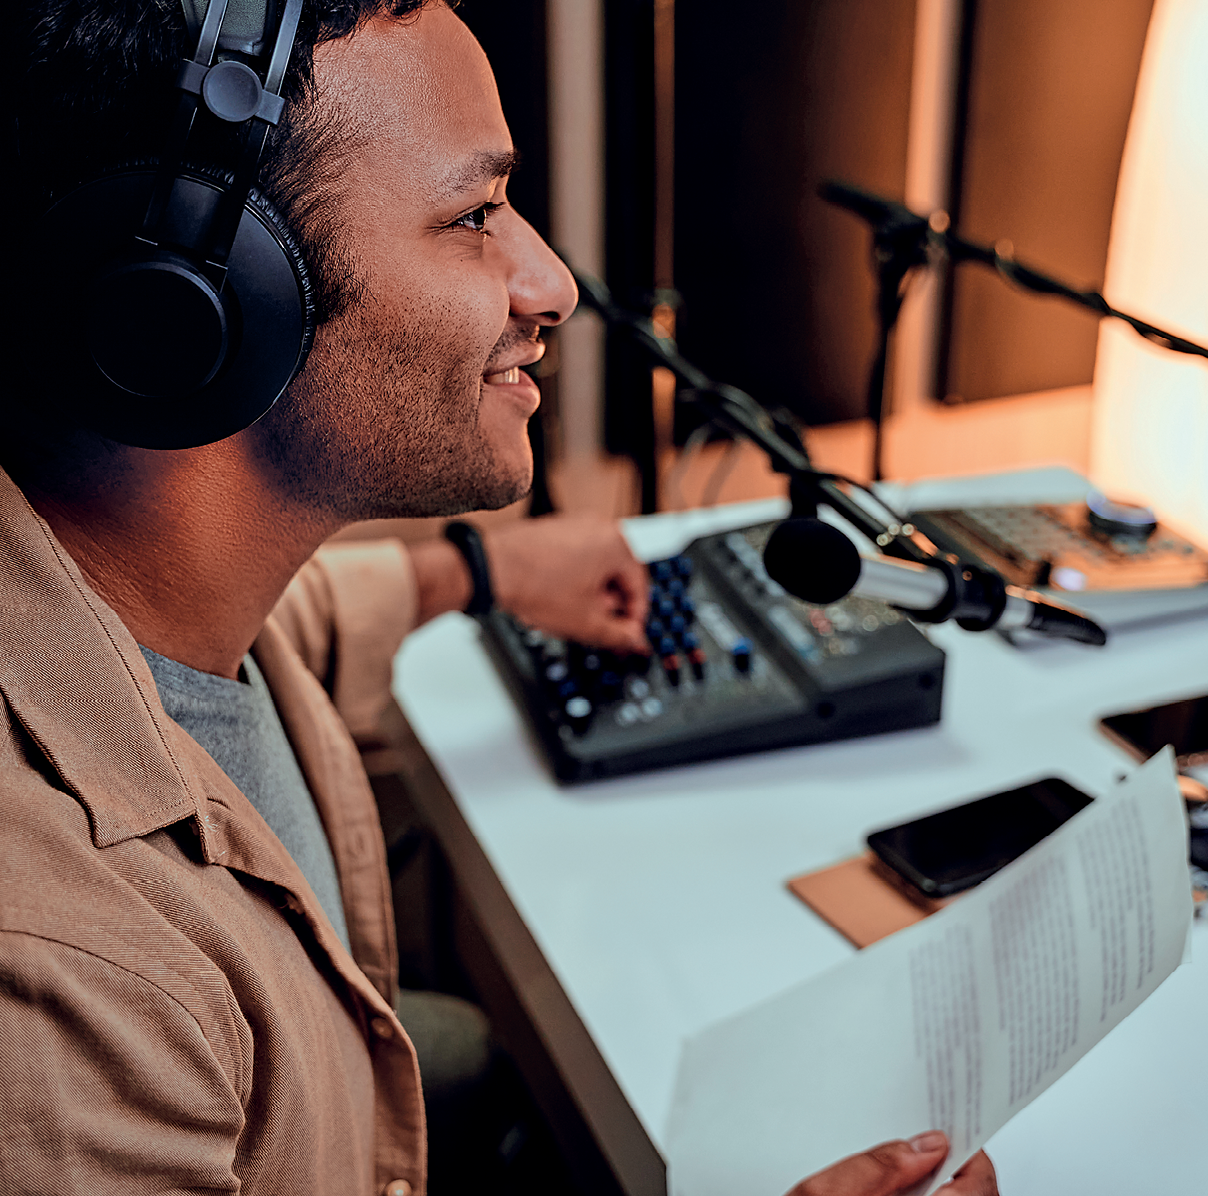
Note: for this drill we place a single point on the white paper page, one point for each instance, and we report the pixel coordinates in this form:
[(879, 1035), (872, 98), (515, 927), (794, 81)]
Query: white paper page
[(956, 1023)]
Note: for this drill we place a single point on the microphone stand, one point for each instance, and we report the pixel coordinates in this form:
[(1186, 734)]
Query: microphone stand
[(739, 413), (903, 239), (898, 247)]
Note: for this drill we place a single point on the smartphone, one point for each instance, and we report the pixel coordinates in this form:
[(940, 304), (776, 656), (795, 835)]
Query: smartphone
[(1183, 725), (957, 848)]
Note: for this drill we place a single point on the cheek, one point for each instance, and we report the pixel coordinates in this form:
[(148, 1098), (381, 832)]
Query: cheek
[(458, 306)]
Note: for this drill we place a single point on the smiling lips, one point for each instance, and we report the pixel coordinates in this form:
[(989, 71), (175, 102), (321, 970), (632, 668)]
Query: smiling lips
[(508, 376)]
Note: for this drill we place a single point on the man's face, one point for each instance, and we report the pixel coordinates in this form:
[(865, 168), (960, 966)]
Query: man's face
[(412, 401)]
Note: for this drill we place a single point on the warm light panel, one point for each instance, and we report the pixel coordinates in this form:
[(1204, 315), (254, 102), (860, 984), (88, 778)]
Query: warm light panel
[(1150, 429)]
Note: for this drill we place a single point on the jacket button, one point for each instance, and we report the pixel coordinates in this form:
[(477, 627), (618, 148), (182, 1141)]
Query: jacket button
[(383, 1029), (397, 1187)]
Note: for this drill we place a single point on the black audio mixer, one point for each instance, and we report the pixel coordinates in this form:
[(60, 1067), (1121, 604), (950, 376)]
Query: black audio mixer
[(737, 665)]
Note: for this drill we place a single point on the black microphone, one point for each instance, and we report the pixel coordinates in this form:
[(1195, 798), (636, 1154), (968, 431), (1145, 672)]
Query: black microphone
[(818, 563)]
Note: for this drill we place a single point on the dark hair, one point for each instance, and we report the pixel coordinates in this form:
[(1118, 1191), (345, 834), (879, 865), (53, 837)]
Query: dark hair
[(96, 91)]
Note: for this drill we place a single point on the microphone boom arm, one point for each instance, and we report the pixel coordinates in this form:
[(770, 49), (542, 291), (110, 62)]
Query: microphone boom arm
[(935, 237), (739, 413)]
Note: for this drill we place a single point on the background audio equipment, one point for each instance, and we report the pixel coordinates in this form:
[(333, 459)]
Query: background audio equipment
[(186, 302), (1076, 547), (738, 665)]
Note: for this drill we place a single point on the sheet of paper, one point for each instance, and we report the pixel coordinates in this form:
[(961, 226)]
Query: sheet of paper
[(954, 1024)]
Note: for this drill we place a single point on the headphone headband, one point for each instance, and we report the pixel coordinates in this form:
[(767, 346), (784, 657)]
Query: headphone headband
[(231, 91), (245, 23)]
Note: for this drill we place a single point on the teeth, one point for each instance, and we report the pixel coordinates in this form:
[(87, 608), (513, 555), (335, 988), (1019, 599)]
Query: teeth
[(512, 375)]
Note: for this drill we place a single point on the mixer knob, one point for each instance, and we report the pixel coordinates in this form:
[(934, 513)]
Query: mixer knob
[(577, 712), (1124, 519)]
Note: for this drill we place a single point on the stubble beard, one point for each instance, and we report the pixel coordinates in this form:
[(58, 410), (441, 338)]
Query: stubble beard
[(380, 426)]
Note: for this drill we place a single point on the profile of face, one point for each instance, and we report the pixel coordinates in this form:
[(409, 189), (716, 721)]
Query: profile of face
[(412, 401)]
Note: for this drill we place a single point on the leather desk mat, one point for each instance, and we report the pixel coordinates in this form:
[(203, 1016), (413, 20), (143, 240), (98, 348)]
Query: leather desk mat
[(860, 900)]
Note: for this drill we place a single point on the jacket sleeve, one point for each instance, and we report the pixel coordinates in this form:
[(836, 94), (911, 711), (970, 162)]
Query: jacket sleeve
[(347, 612), (108, 1083)]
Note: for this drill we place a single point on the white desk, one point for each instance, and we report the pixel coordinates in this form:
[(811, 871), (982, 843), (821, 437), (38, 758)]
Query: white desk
[(658, 901)]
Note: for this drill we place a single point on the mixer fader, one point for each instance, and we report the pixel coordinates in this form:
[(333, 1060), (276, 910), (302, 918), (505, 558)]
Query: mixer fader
[(736, 665)]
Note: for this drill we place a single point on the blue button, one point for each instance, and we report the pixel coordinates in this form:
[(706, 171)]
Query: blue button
[(740, 653)]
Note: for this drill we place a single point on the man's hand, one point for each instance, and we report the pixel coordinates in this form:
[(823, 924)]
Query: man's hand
[(572, 577), (898, 1167)]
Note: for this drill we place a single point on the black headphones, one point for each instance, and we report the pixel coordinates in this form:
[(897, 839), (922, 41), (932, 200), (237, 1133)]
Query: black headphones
[(188, 304)]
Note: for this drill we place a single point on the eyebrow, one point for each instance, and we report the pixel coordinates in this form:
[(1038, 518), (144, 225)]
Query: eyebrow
[(483, 167)]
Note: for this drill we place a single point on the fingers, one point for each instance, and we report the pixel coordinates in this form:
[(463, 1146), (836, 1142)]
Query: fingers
[(631, 583), (618, 634), (572, 577), (884, 1170), (975, 1178)]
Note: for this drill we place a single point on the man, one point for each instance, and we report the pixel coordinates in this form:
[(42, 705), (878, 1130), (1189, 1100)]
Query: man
[(197, 987)]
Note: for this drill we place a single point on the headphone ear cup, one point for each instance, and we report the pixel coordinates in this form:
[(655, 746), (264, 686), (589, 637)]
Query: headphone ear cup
[(262, 207), (157, 355)]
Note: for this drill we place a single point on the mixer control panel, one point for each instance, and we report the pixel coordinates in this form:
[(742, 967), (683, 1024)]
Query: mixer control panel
[(735, 665)]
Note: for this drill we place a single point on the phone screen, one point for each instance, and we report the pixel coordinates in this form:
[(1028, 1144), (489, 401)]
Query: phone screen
[(1183, 725), (957, 848)]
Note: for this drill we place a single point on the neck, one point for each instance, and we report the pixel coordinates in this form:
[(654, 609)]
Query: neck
[(192, 549)]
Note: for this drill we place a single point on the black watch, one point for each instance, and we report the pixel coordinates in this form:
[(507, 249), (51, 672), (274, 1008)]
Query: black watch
[(465, 538)]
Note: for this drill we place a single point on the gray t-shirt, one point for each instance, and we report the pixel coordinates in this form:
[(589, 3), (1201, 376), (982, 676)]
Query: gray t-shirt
[(237, 723)]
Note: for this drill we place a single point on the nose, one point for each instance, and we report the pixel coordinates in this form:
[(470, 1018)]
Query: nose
[(540, 287)]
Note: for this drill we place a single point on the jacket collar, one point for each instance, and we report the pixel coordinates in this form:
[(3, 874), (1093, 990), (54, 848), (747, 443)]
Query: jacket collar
[(76, 681)]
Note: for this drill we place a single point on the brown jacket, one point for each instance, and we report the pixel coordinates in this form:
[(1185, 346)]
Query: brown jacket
[(176, 1012)]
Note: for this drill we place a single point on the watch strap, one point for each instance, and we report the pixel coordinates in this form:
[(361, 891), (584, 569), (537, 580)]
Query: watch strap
[(465, 538)]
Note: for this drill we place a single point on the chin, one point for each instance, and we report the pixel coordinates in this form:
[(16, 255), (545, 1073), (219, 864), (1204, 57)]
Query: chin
[(500, 492), (504, 476), (487, 489)]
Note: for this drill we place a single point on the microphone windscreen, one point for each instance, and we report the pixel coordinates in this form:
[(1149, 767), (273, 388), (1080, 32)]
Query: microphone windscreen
[(812, 559)]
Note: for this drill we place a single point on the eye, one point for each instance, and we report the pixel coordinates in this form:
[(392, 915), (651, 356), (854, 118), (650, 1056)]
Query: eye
[(476, 221)]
